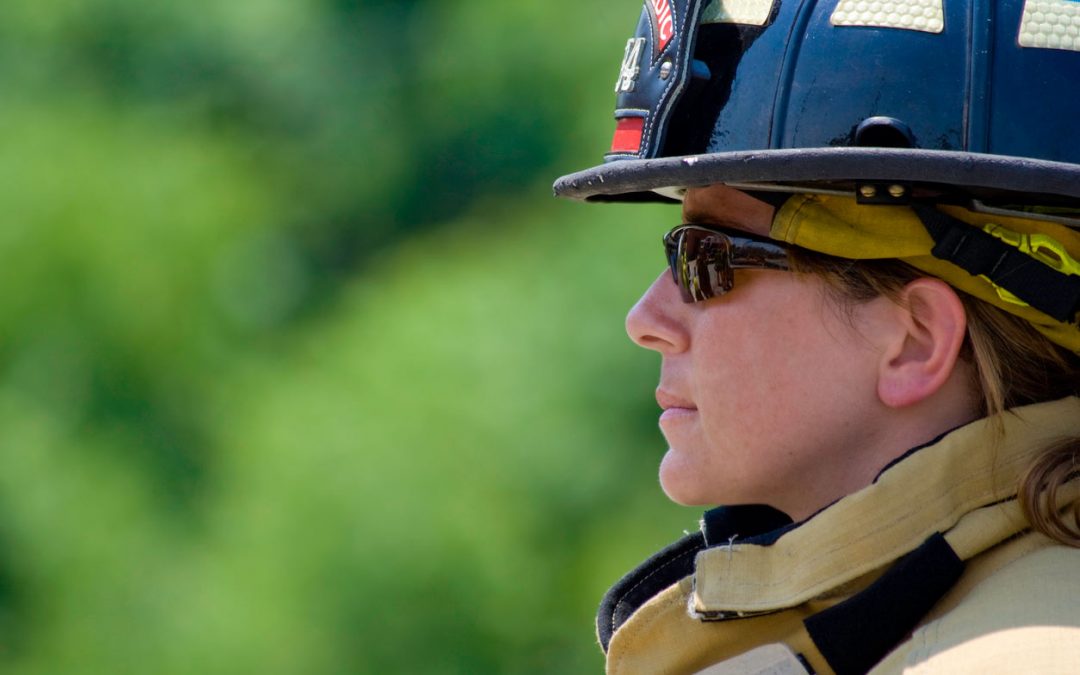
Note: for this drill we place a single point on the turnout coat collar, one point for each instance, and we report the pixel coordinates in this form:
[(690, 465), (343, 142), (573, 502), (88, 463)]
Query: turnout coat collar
[(844, 587)]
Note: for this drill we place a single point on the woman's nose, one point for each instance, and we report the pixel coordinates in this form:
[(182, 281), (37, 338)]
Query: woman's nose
[(654, 321)]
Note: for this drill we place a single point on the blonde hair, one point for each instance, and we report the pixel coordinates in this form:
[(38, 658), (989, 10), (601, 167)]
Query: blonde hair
[(1013, 363)]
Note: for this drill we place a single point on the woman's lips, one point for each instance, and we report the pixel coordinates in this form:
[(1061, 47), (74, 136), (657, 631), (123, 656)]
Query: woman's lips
[(675, 407), (671, 415)]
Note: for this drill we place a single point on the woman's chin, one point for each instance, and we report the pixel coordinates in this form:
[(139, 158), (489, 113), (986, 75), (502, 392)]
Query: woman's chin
[(682, 482)]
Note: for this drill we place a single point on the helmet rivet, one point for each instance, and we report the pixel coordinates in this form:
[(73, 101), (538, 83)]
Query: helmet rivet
[(665, 70), (868, 191), (897, 191)]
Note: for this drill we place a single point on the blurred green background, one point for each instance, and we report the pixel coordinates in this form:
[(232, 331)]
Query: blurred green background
[(302, 369)]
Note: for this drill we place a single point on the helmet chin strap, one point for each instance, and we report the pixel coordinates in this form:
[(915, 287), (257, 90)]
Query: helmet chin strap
[(1054, 292)]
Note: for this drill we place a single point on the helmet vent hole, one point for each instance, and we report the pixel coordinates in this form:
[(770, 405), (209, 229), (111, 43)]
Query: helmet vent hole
[(884, 132)]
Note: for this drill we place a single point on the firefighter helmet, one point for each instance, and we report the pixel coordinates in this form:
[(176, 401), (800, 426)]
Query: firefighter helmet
[(969, 103)]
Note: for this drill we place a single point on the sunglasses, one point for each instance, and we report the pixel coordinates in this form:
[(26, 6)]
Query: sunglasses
[(703, 259)]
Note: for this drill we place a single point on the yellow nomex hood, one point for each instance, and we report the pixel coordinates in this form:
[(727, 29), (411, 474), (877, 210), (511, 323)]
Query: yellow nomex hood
[(1041, 257)]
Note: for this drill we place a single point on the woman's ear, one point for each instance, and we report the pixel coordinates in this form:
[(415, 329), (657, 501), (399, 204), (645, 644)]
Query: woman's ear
[(924, 346)]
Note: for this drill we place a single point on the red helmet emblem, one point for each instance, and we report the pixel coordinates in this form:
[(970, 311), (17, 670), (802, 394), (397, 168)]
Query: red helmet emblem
[(663, 19)]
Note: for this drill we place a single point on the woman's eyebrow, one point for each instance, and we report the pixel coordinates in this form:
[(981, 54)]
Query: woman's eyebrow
[(694, 214)]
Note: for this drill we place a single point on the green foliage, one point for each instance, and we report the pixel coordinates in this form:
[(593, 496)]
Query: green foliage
[(302, 370)]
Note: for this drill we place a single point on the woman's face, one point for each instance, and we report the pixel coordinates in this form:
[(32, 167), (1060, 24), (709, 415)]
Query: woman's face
[(769, 391)]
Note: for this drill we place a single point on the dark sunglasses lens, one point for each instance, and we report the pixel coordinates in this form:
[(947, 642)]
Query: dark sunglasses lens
[(672, 245), (700, 262)]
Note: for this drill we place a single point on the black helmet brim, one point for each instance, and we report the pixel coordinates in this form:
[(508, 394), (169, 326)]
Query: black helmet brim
[(964, 175)]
